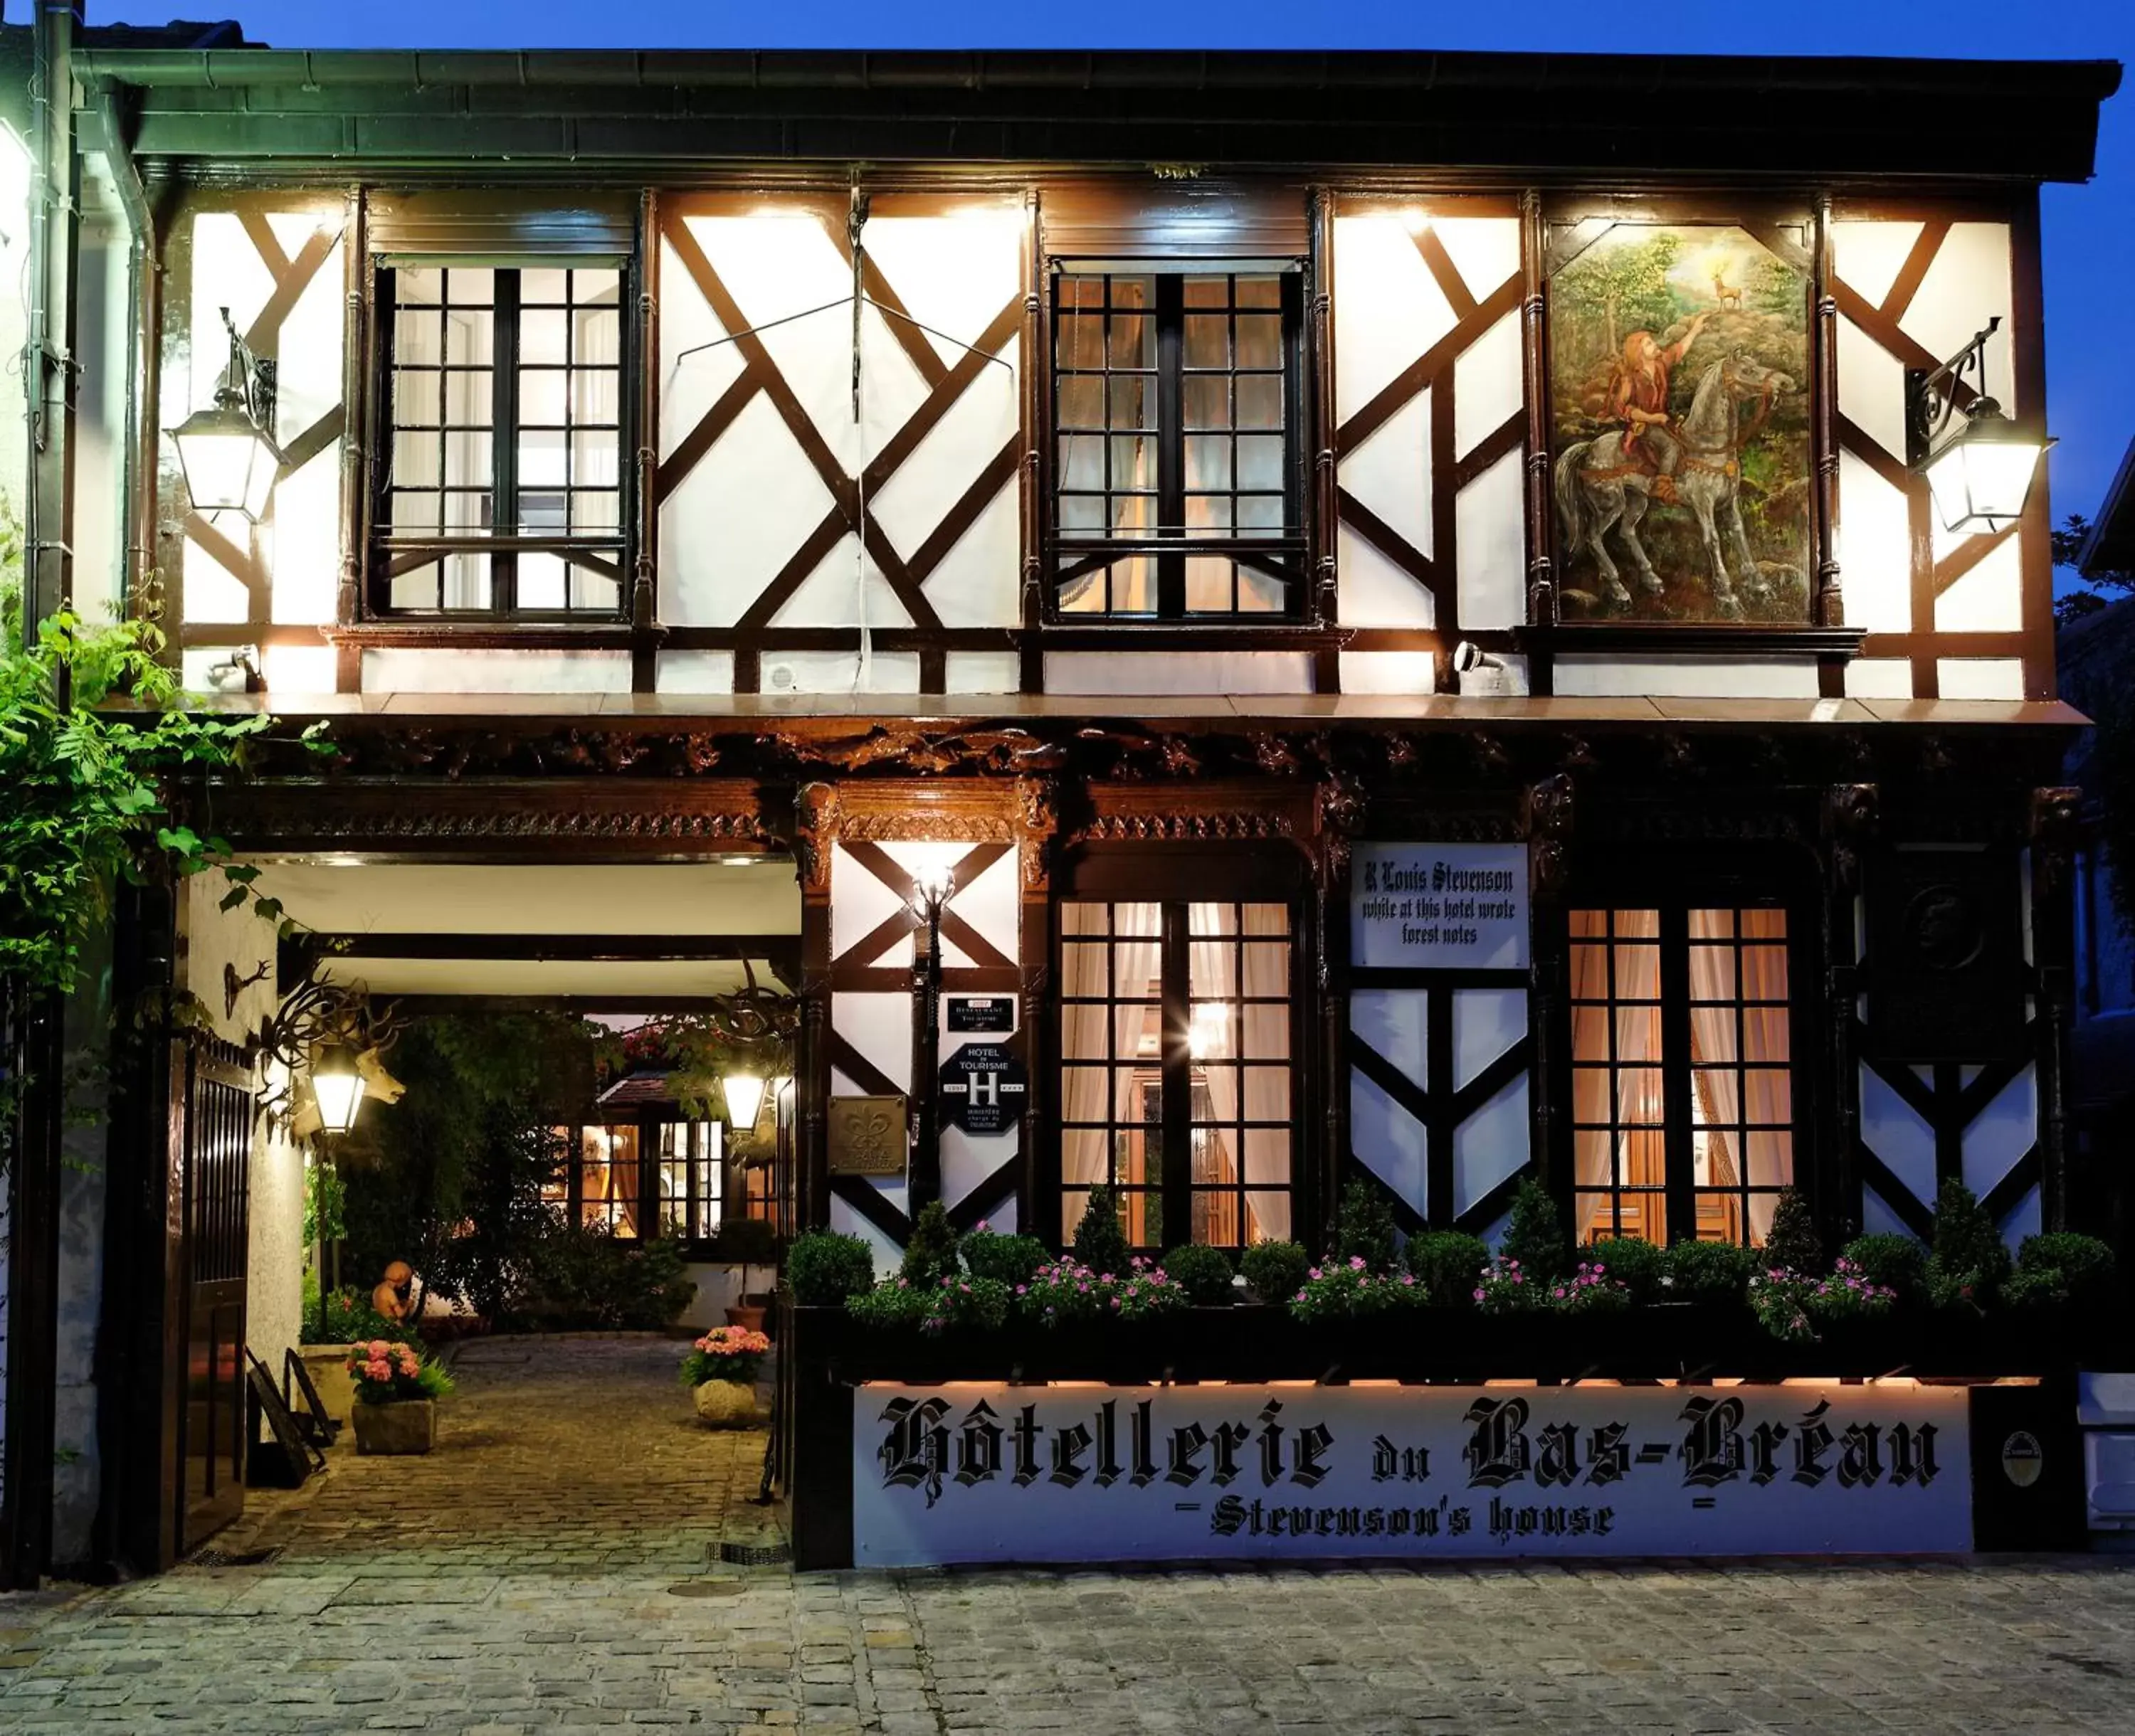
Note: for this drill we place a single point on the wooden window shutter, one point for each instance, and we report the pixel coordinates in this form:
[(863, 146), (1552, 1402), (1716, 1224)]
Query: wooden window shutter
[(1182, 220), (501, 226)]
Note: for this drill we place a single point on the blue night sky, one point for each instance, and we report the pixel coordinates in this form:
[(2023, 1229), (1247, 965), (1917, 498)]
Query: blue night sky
[(2089, 231)]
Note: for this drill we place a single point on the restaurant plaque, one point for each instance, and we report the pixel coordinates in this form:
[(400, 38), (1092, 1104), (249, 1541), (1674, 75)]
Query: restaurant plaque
[(867, 1136)]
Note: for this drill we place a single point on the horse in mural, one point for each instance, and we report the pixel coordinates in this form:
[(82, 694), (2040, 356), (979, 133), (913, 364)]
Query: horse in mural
[(1598, 490)]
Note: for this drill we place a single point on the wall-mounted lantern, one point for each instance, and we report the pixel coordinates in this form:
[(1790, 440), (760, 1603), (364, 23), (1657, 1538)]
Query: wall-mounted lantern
[(227, 451), (743, 1093), (336, 1085), (1981, 475)]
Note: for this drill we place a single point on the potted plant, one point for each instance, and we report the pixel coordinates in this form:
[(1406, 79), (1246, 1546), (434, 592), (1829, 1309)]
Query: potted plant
[(748, 1242), (719, 1370), (397, 1388), (334, 1325)]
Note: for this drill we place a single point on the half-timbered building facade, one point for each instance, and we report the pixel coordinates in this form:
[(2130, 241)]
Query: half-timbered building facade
[(1246, 515)]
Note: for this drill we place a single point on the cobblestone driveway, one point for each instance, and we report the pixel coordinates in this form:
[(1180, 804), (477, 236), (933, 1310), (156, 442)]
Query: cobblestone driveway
[(551, 1566)]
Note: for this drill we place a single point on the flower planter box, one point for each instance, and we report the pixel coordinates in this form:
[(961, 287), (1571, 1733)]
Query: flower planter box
[(409, 1426)]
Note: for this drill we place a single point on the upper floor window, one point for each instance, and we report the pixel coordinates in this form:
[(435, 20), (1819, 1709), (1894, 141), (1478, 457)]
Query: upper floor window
[(500, 490), (1175, 413)]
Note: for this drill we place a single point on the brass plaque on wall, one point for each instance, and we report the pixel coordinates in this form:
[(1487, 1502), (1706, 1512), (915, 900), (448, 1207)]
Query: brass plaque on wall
[(867, 1135)]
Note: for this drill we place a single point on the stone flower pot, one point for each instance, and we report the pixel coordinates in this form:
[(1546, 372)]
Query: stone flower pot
[(726, 1404), (747, 1314), (327, 1365), (408, 1426)]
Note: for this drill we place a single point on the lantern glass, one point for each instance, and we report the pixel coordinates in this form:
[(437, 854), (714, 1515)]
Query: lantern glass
[(1982, 479), (744, 1097), (336, 1087), (932, 883), (229, 465)]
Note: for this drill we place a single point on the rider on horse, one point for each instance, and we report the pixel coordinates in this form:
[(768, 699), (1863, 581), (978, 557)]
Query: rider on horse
[(1640, 398)]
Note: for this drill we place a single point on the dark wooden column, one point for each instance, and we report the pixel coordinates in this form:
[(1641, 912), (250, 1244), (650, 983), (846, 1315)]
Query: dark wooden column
[(645, 348), (1323, 608), (32, 1023), (1037, 825), (1548, 823), (2055, 831), (1850, 812), (1340, 810), (355, 435), (1030, 468), (1534, 371), (815, 832)]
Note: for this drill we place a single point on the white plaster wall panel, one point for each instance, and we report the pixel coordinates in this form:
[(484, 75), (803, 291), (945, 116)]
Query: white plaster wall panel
[(2001, 1133), (1105, 674), (102, 341), (779, 265), (1486, 1023), (214, 593), (692, 376), (1889, 1128), (1967, 284), (1377, 593), (695, 672), (1488, 386), (981, 672), (298, 669), (880, 1026), (1491, 1145), (1868, 255), (1878, 678), (970, 434), (1877, 1218), (978, 583), (1485, 251), (1392, 1023), (954, 271), (304, 541), (2026, 1218), (861, 903), (193, 665), (1388, 1141), (736, 519), (227, 272), (1489, 515), (496, 672), (1390, 473), (839, 672), (1872, 388), (846, 1221), (1875, 550), (1980, 678), (307, 371), (1989, 598), (1388, 672), (836, 594), (1387, 308), (1585, 676)]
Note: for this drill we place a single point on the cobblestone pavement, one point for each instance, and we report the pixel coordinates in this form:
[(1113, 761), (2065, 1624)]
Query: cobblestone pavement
[(551, 1567)]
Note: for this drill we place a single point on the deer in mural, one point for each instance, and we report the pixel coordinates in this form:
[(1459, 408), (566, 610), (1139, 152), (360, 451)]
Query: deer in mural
[(1725, 293), (1697, 465)]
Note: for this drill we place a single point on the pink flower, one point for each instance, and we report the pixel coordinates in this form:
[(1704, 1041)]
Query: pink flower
[(377, 1348), (982, 1230), (1356, 1262), (1478, 1295), (377, 1372), (1316, 1272)]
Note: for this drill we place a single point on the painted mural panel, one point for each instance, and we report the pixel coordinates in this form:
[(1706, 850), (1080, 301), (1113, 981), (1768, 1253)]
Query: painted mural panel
[(1679, 360)]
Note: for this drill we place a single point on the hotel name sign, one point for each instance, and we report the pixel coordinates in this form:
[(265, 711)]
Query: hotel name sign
[(985, 1472)]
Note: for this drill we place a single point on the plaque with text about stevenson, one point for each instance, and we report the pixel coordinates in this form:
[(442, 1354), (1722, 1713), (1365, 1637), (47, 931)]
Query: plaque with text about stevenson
[(1439, 906)]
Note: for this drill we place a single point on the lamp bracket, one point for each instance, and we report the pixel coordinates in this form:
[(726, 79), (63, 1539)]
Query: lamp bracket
[(1932, 394), (250, 379)]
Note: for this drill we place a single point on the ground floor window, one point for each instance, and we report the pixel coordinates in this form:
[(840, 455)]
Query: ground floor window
[(644, 1177), (1176, 1080), (1682, 1081)]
